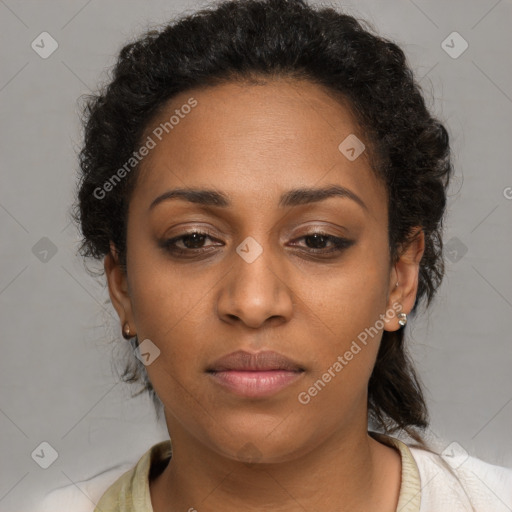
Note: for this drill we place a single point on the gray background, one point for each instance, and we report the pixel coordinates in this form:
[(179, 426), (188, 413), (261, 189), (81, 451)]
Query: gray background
[(55, 370)]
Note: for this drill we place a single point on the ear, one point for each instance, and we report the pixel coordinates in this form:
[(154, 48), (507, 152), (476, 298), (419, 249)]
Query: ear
[(405, 272), (118, 287)]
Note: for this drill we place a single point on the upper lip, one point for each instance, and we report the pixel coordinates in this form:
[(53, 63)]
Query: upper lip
[(247, 361)]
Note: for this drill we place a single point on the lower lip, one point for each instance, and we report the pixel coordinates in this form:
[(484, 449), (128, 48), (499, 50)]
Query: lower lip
[(255, 383)]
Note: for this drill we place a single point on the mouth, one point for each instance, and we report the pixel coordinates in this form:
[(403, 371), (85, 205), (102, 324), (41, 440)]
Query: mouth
[(254, 375)]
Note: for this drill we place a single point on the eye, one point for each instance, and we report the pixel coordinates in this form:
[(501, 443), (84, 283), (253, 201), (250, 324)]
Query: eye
[(316, 242), (191, 242)]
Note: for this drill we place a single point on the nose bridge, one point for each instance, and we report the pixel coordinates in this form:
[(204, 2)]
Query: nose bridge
[(256, 288), (255, 267)]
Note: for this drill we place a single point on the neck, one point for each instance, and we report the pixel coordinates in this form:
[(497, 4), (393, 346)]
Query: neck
[(348, 472)]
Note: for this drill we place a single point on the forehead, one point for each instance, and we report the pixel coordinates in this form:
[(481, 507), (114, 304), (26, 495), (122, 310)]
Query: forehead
[(254, 142)]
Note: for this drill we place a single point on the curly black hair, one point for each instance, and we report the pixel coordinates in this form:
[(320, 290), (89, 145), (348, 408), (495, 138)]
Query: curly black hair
[(244, 40)]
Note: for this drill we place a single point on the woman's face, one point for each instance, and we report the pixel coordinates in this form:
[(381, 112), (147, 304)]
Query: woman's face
[(258, 280)]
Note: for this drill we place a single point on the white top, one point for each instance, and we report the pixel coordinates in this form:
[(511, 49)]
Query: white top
[(449, 482)]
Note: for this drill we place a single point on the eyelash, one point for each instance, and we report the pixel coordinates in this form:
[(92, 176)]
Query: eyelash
[(340, 244)]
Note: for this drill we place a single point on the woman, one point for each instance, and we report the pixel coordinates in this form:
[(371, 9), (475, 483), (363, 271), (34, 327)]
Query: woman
[(266, 189)]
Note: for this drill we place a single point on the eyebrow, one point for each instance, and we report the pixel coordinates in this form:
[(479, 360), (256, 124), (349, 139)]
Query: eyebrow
[(293, 197)]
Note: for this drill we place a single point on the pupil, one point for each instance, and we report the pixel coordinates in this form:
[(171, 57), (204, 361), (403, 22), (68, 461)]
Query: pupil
[(197, 238), (318, 241)]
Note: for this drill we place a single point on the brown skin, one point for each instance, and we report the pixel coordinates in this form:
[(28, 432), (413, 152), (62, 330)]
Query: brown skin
[(253, 143)]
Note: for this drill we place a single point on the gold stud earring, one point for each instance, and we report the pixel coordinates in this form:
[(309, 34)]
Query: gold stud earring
[(126, 331)]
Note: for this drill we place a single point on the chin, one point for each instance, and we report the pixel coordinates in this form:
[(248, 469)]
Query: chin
[(251, 440)]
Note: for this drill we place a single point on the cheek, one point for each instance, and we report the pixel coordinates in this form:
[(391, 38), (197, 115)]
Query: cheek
[(348, 298), (349, 327), (164, 295), (344, 320), (166, 304), (168, 313), (169, 310)]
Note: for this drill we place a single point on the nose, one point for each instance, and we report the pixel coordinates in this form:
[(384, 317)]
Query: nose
[(255, 292)]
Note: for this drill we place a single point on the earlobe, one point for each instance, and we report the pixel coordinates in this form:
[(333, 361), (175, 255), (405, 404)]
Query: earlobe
[(117, 285), (404, 279)]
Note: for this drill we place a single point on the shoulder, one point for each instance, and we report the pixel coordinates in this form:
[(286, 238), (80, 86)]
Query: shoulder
[(123, 487), (457, 480), (85, 494)]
